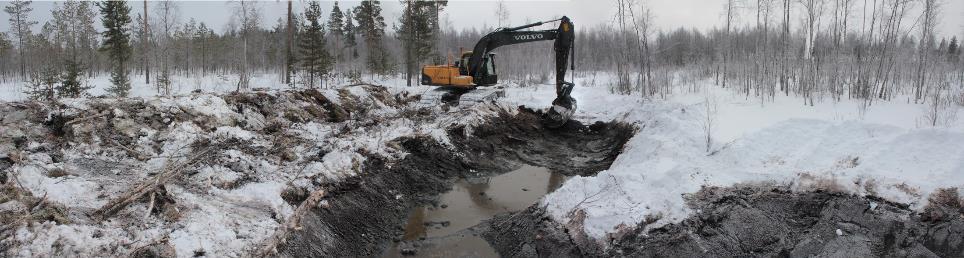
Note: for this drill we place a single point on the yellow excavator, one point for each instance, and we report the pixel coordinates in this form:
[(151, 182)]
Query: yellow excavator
[(470, 78)]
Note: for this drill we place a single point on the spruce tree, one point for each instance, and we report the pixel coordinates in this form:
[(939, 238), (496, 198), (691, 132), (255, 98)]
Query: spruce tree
[(349, 34), (5, 46), (315, 60), (351, 44), (71, 83), (371, 25), (116, 19), (954, 50), (336, 23)]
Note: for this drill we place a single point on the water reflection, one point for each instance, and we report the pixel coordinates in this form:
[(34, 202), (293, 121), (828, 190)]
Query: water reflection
[(470, 202)]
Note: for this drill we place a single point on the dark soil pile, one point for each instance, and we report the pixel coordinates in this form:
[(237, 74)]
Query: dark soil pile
[(758, 222), (508, 141)]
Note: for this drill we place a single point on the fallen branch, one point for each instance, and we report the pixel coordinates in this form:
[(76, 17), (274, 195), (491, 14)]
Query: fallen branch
[(148, 186), (270, 246), (150, 206), (132, 152), (83, 119)]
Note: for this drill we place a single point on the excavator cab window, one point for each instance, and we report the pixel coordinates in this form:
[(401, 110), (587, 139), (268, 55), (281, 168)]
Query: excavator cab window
[(489, 77), (464, 65), (490, 65)]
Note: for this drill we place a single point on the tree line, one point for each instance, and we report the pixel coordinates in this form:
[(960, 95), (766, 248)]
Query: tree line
[(816, 49), (57, 56)]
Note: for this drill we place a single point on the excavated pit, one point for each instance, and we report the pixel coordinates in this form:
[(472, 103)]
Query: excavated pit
[(367, 215)]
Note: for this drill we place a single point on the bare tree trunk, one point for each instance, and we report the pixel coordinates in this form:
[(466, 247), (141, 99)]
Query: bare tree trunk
[(730, 15), (144, 42), (289, 56), (927, 35)]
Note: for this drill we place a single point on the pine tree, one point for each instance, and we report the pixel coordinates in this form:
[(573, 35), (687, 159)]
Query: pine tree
[(203, 37), (349, 33), (289, 45), (418, 32), (116, 18), (351, 44), (43, 84), (371, 25), (72, 28), (315, 60), (19, 12)]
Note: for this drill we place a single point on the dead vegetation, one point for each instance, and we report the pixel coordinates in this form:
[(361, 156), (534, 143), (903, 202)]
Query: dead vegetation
[(19, 207), (144, 155)]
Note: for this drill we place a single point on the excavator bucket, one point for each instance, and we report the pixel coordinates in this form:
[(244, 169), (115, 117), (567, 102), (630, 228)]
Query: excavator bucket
[(563, 107)]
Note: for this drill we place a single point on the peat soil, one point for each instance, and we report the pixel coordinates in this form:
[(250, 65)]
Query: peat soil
[(364, 215), (754, 221)]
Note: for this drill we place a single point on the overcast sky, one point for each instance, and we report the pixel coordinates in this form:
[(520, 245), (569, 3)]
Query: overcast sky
[(669, 14)]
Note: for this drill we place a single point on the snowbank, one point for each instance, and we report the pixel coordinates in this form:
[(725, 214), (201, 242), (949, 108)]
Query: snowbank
[(883, 152), (266, 148)]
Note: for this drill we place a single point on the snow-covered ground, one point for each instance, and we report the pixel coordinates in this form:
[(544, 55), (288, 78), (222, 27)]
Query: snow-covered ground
[(234, 201), (182, 85), (886, 152)]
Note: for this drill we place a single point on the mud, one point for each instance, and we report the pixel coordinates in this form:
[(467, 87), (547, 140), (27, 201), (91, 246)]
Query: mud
[(443, 228), (509, 141), (365, 214), (754, 221)]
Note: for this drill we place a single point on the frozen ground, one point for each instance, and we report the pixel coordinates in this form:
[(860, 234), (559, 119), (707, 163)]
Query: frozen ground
[(886, 152), (261, 151), (182, 85)]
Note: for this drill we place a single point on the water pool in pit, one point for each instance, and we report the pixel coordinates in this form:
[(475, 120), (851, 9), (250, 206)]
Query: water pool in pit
[(442, 230)]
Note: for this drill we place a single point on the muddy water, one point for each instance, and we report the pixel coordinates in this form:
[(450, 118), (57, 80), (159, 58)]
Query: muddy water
[(442, 230)]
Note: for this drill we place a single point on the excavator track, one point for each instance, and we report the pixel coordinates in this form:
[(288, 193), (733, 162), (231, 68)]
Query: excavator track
[(459, 97)]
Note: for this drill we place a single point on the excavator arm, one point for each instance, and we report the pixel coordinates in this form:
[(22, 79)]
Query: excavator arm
[(458, 81), (563, 106), (564, 37)]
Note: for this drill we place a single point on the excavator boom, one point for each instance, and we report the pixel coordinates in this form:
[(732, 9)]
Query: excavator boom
[(478, 69)]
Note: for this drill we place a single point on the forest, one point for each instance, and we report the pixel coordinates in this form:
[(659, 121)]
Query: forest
[(816, 49)]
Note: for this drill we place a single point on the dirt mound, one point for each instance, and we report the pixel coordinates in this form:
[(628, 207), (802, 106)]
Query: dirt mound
[(508, 140), (753, 221), (215, 174)]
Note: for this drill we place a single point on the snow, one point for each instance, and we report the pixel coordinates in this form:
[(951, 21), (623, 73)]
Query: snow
[(68, 189), (219, 227), (884, 151), (72, 238), (234, 202), (234, 132)]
